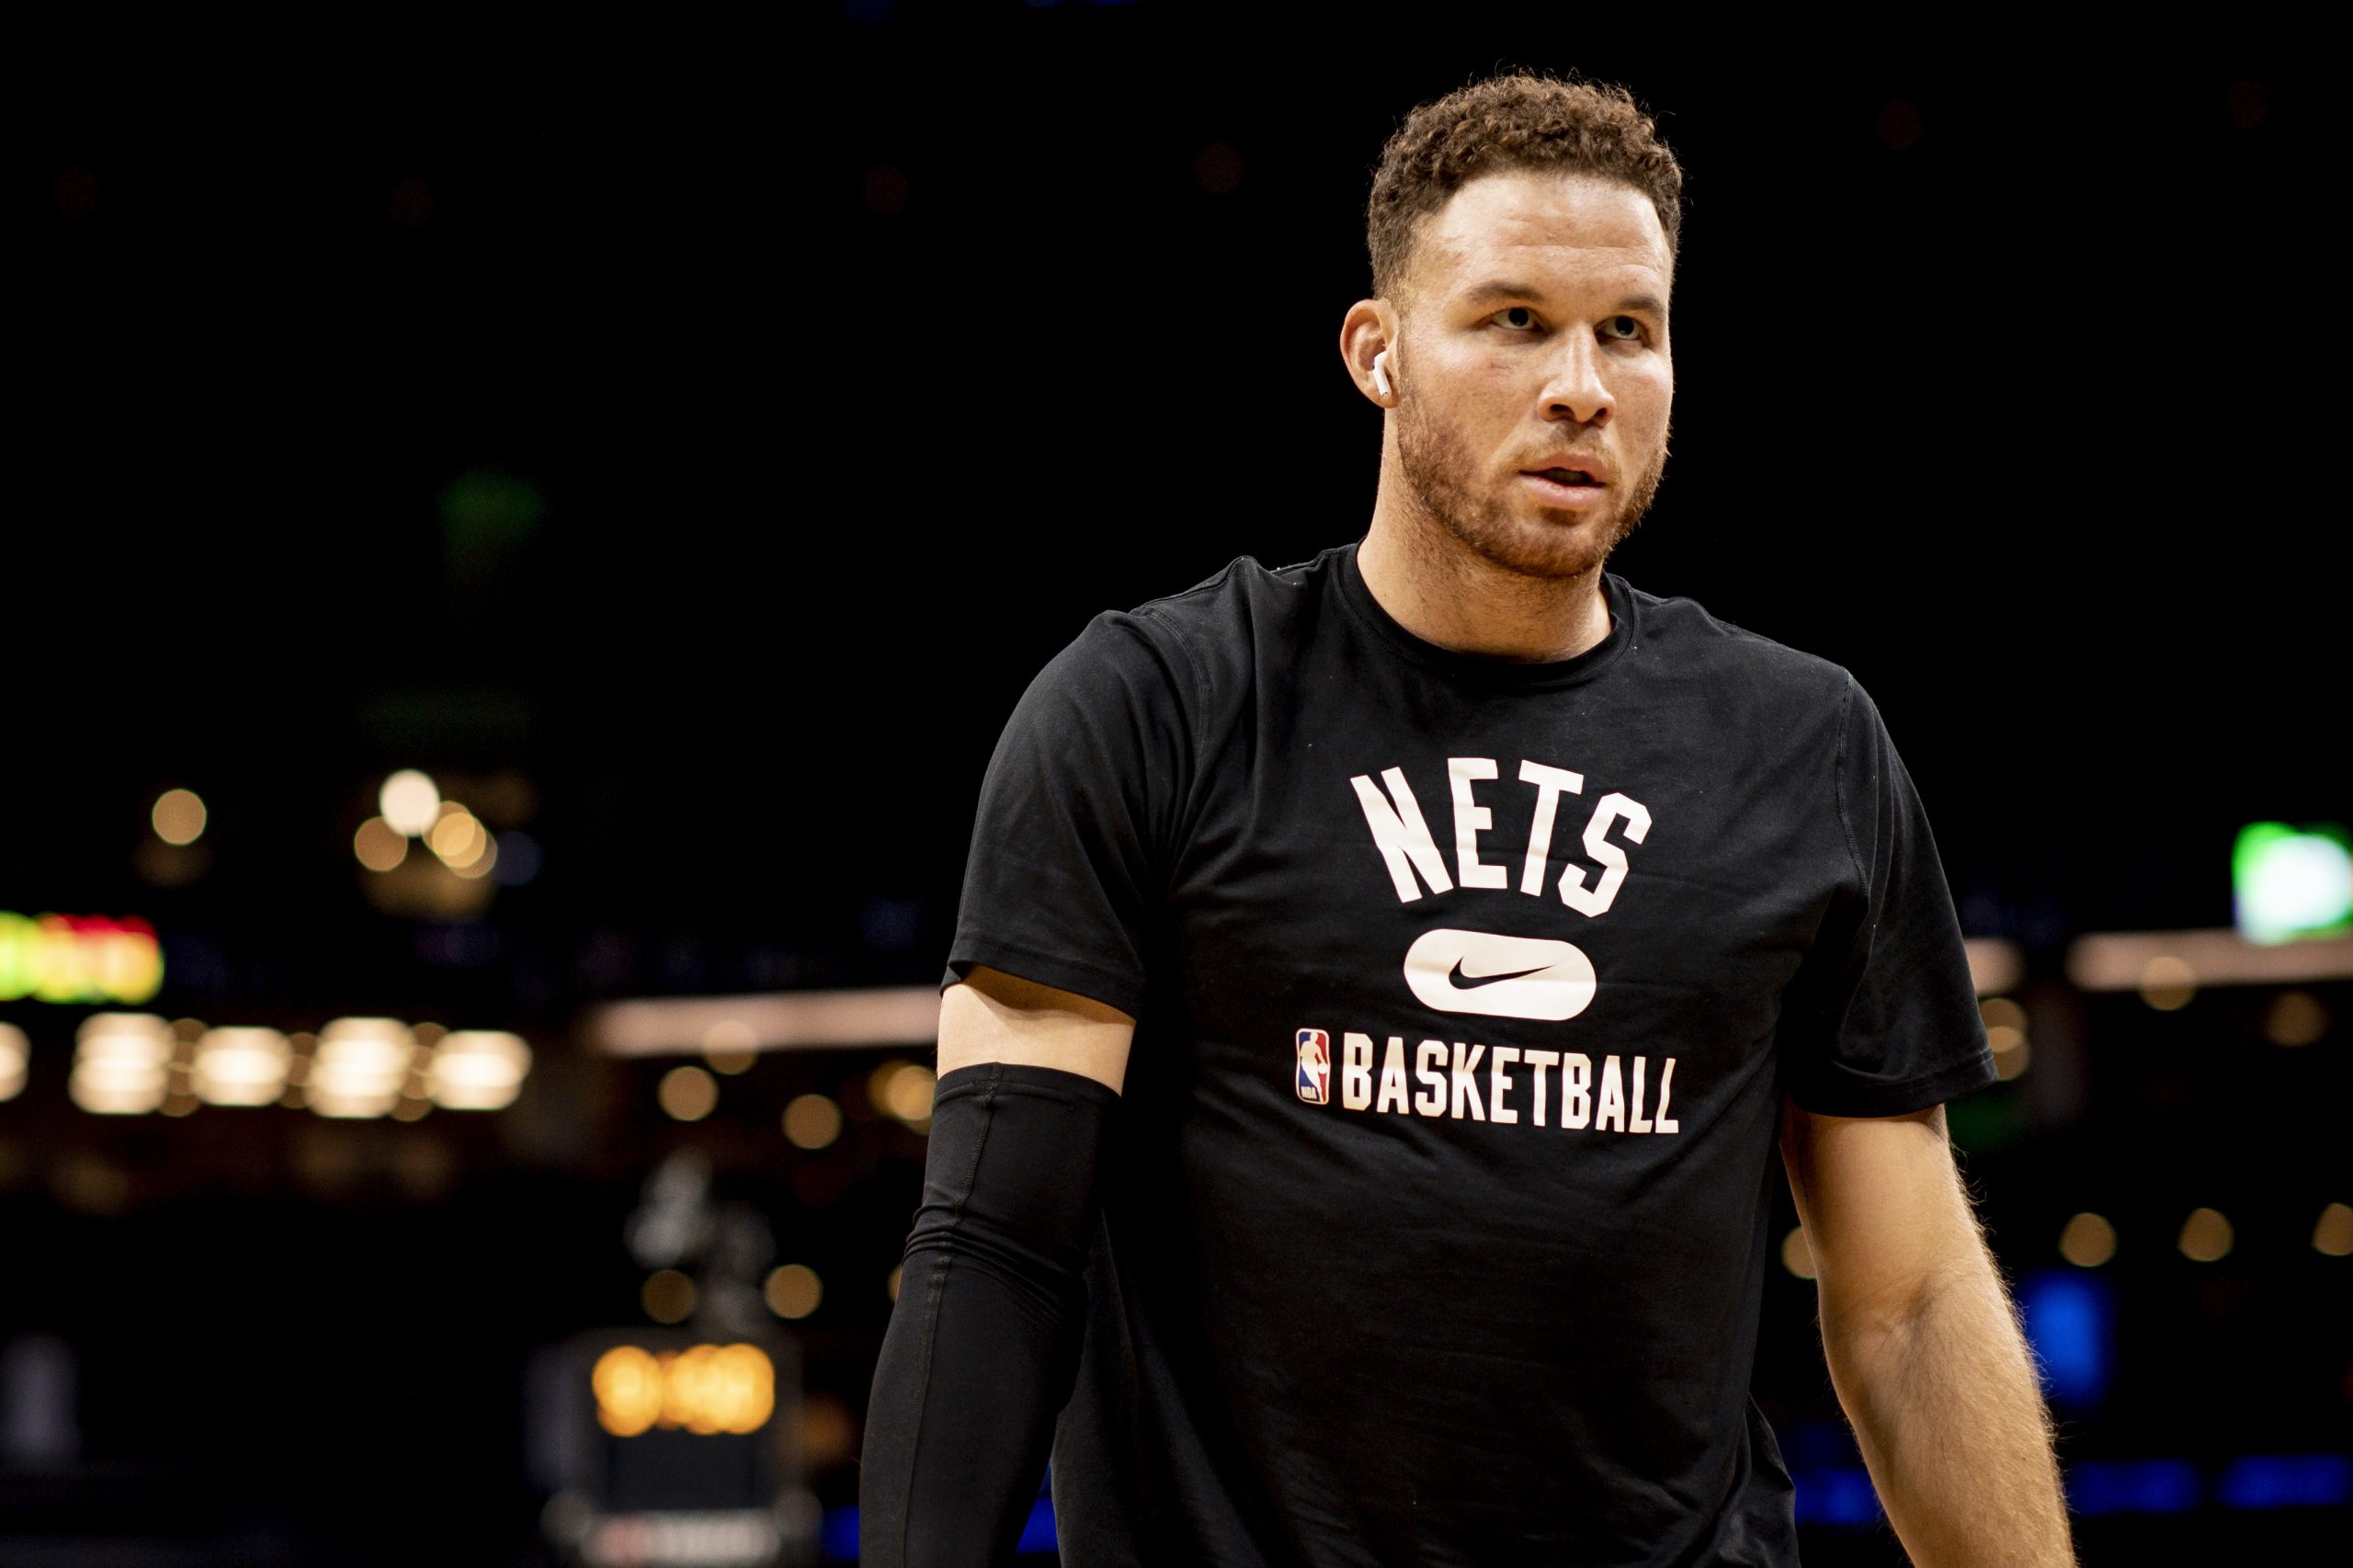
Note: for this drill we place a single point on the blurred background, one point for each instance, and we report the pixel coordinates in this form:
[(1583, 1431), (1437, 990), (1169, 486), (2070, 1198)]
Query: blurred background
[(526, 529)]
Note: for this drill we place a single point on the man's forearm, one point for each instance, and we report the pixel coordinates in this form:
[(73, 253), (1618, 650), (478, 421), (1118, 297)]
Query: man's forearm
[(1950, 1420), (986, 1338)]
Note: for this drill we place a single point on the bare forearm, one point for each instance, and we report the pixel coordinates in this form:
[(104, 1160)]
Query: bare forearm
[(1949, 1418)]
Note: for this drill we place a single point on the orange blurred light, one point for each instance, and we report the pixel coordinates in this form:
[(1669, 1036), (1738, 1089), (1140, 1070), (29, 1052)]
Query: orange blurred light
[(794, 1290), (379, 846), (813, 1121), (668, 1296), (177, 816), (687, 1094)]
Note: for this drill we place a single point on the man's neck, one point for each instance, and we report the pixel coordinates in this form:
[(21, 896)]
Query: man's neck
[(1445, 593)]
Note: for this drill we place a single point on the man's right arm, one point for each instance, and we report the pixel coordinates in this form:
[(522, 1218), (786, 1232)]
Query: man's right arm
[(982, 1346)]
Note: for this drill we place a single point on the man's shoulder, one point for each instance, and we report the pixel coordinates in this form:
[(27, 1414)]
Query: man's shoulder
[(1228, 616), (1241, 591), (1680, 636), (1191, 643)]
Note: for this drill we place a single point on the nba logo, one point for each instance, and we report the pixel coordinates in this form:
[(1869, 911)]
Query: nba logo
[(1314, 1067)]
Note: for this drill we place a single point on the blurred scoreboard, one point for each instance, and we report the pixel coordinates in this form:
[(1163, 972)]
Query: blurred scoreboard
[(666, 1451)]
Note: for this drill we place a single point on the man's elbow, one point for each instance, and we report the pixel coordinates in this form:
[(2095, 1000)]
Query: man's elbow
[(1873, 1312)]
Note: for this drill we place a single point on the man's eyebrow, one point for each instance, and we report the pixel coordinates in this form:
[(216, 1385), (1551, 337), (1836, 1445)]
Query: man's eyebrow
[(1499, 289), (1504, 288)]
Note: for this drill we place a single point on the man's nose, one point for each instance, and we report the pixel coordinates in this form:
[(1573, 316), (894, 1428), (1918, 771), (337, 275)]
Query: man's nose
[(1575, 389)]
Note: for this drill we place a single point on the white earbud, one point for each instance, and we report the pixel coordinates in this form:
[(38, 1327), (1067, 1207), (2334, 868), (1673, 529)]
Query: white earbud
[(1380, 374)]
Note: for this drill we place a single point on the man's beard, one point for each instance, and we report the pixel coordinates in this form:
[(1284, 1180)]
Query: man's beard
[(1440, 477)]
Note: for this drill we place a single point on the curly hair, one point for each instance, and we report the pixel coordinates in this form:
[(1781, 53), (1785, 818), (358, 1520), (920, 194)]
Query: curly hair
[(1519, 120)]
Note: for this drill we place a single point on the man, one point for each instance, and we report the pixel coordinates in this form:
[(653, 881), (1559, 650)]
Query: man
[(1382, 981)]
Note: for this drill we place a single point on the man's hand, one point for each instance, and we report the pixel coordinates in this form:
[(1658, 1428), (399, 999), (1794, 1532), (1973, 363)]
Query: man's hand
[(1924, 1347)]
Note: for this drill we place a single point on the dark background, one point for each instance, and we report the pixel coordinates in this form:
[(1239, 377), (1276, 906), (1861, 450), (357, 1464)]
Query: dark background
[(716, 420)]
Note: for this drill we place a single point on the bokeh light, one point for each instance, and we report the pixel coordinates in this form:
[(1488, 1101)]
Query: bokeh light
[(360, 1067), (15, 1055), (179, 816), (2295, 1019), (2088, 1241), (410, 802), (379, 846), (813, 1121), (902, 1090), (2206, 1236), (687, 1094), (2333, 1235), (478, 1070), (458, 837), (2168, 984), (1797, 1252), (627, 1382), (122, 1064), (793, 1290), (668, 1296), (241, 1067)]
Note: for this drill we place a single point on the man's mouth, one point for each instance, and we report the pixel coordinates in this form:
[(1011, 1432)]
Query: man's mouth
[(1570, 476)]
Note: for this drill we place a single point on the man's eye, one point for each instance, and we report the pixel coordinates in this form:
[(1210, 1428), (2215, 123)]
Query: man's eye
[(1625, 329), (1519, 318)]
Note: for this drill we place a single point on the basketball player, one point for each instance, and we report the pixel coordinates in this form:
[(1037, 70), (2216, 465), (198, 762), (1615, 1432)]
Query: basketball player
[(1381, 984)]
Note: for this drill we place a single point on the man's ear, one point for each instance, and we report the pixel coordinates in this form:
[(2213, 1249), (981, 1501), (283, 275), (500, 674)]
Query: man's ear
[(1368, 332)]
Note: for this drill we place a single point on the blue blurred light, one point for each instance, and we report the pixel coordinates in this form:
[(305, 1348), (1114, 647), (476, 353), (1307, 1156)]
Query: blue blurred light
[(1836, 1497), (2134, 1487), (518, 859), (1038, 1535), (2067, 1317), (2288, 1480), (837, 1535)]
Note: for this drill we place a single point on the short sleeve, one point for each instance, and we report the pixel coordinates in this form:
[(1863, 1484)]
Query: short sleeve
[(1071, 845), (1882, 1018)]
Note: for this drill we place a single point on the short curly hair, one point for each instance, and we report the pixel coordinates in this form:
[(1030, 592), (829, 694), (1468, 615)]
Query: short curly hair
[(1518, 121)]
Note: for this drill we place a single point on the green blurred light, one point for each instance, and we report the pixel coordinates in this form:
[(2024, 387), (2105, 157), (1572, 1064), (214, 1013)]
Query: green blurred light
[(2288, 882)]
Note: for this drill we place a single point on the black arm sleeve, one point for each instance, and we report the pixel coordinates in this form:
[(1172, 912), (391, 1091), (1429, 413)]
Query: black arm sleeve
[(984, 1344)]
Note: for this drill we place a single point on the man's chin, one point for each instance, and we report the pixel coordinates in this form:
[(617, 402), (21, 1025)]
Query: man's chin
[(1551, 544)]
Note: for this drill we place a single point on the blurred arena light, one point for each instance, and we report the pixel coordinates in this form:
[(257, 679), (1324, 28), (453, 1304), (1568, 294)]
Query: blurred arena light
[(793, 1290), (2206, 1236), (668, 1296), (177, 816), (813, 1121), (240, 1066), (1994, 964), (360, 1067), (902, 1090), (2069, 1320), (121, 1062), (478, 1070), (704, 1389), (2333, 1235), (458, 837), (15, 1051), (379, 845), (74, 959), (2295, 1019), (778, 1021), (2088, 1241), (687, 1094), (1797, 1252), (410, 802), (2289, 883), (516, 858), (2121, 961)]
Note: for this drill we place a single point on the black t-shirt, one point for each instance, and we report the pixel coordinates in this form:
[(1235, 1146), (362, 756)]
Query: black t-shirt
[(1467, 992)]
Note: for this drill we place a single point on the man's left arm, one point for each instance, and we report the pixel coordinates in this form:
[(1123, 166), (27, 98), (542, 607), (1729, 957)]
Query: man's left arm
[(1924, 1349)]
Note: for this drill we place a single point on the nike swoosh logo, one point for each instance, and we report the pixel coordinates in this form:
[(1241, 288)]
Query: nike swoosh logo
[(1508, 977), (1462, 982)]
